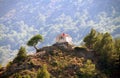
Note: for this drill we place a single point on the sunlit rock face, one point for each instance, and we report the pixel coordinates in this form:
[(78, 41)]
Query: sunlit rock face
[(20, 20)]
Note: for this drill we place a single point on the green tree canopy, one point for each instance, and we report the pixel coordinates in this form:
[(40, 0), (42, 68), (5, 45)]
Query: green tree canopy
[(116, 56), (90, 39), (107, 54), (106, 49), (117, 46), (34, 41), (96, 46), (107, 46)]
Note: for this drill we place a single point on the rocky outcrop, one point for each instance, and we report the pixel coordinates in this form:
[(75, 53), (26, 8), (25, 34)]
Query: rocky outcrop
[(58, 57)]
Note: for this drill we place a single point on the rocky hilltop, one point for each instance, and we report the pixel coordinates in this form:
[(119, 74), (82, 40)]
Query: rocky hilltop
[(62, 61), (98, 57)]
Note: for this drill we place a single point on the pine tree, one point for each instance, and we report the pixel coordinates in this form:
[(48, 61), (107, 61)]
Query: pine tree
[(117, 46), (96, 46), (107, 53), (90, 39), (43, 73), (34, 41), (107, 46), (21, 54), (116, 63)]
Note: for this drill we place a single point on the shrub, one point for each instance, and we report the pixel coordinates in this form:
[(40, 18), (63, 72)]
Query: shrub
[(27, 76), (43, 73), (80, 49), (17, 75), (54, 63), (88, 70), (0, 66)]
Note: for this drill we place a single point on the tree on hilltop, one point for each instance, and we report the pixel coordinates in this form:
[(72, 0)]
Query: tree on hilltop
[(90, 39), (34, 41), (21, 54)]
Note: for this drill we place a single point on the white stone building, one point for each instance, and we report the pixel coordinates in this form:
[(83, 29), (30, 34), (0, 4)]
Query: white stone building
[(64, 38)]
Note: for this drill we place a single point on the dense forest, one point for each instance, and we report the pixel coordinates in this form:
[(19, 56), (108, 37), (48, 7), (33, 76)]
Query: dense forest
[(97, 57)]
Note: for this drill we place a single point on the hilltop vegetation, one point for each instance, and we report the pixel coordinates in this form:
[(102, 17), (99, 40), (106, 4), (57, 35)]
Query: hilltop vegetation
[(97, 58), (34, 41), (106, 49)]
